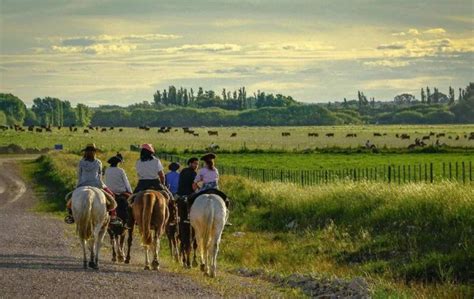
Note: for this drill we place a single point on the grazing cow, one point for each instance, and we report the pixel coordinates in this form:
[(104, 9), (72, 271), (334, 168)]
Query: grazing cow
[(208, 216), (196, 134), (86, 131), (39, 130), (31, 128), (104, 130), (471, 137), (457, 137), (285, 134), (213, 133), (432, 133), (48, 129), (330, 135), (351, 135), (396, 135), (186, 235), (150, 212), (426, 137), (377, 135), (440, 135), (111, 128), (450, 137), (75, 129), (90, 212), (313, 135), (120, 130), (172, 229), (233, 135), (405, 136)]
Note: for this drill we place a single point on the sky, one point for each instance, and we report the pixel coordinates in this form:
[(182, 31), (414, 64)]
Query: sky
[(120, 52)]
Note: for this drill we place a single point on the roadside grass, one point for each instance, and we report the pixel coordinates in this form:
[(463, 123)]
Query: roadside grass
[(415, 240)]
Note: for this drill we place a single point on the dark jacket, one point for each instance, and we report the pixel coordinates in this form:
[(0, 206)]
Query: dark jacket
[(186, 180)]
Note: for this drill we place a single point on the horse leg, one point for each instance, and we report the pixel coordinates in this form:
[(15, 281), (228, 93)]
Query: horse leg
[(99, 238), (112, 243), (120, 247), (156, 249), (214, 251), (201, 251), (195, 245), (129, 244), (92, 255), (147, 262), (84, 260)]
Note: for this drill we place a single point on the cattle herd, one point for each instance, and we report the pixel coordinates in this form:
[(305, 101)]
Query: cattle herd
[(193, 132)]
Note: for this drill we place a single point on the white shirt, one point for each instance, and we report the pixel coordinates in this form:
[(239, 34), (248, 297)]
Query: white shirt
[(116, 179), (206, 175), (148, 170)]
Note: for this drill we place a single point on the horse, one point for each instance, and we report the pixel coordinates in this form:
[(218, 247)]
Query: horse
[(208, 216), (150, 212), (89, 208), (172, 229), (117, 234), (185, 235)]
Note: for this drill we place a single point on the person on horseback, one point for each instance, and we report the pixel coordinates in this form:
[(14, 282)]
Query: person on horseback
[(172, 177), (187, 176), (90, 174), (116, 178), (208, 178), (149, 170)]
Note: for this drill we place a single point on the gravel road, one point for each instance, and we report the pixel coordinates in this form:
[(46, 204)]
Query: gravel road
[(39, 257)]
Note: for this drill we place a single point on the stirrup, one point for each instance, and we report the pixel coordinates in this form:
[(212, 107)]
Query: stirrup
[(186, 221)]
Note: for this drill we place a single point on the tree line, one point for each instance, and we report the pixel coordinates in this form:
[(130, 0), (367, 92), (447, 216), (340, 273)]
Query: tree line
[(180, 107)]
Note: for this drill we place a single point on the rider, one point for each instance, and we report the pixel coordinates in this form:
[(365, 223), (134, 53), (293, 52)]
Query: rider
[(187, 176), (90, 174), (149, 170), (116, 178), (208, 176), (172, 177)]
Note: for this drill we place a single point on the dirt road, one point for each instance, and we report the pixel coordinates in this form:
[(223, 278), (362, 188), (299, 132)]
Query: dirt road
[(39, 257)]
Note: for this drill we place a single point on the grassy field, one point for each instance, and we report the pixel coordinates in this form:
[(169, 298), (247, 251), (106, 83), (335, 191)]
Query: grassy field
[(414, 240), (251, 138)]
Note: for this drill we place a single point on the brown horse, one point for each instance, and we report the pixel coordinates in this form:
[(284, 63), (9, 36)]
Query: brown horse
[(186, 235), (117, 234), (172, 229), (150, 212)]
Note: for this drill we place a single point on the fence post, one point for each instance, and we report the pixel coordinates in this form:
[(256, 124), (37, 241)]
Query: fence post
[(463, 173), (431, 172), (457, 171), (470, 171)]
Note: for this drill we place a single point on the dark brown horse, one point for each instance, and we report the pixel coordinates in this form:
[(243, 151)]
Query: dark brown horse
[(172, 229), (117, 233), (186, 235)]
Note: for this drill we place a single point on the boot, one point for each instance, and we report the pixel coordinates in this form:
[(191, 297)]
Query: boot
[(69, 219)]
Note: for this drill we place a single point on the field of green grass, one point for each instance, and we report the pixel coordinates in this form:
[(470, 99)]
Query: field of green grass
[(250, 138), (414, 240)]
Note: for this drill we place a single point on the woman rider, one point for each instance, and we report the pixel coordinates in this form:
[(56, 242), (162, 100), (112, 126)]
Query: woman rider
[(149, 170), (89, 173)]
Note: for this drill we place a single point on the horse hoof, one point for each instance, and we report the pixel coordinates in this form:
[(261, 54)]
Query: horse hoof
[(155, 265), (114, 260), (85, 265), (147, 268), (127, 261), (93, 265), (121, 259), (195, 264), (203, 267)]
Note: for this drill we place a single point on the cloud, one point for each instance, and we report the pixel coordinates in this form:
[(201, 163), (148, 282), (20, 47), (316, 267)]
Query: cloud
[(413, 31), (99, 49), (392, 46), (204, 48), (435, 31), (387, 63)]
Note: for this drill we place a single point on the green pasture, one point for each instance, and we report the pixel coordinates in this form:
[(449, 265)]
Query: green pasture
[(251, 138)]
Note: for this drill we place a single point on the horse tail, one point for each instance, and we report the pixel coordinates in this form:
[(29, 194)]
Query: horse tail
[(149, 200), (210, 223), (84, 221)]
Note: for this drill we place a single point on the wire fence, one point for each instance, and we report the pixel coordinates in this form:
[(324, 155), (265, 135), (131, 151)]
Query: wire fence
[(392, 174)]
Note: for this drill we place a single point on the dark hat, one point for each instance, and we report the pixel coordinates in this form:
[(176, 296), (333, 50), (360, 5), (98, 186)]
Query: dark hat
[(208, 157), (116, 159), (191, 160), (174, 166), (90, 147)]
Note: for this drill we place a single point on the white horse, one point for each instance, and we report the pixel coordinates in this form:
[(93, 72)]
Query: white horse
[(90, 213), (208, 216)]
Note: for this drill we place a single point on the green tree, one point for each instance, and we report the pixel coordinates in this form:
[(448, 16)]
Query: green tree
[(13, 108)]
